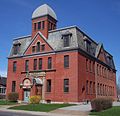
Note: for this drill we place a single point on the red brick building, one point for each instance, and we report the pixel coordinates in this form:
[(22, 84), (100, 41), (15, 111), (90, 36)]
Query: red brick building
[(61, 65)]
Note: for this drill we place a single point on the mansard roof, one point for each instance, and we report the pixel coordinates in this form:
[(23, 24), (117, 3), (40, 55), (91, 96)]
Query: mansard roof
[(55, 40)]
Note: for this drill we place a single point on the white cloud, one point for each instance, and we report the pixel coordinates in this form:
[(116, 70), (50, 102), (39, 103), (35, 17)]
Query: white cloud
[(3, 73)]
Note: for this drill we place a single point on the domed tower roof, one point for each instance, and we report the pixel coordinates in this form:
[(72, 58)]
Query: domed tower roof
[(44, 10)]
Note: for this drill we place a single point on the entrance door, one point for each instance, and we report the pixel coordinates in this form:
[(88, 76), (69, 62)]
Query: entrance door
[(26, 95)]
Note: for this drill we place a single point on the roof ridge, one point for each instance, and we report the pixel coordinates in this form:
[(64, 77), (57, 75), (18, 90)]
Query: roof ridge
[(21, 37), (63, 28)]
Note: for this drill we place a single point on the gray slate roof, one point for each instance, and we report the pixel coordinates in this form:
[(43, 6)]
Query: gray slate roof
[(55, 40)]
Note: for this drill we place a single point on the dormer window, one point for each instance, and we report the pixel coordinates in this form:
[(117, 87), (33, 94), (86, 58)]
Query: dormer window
[(16, 48), (88, 45), (66, 39), (109, 60), (38, 46)]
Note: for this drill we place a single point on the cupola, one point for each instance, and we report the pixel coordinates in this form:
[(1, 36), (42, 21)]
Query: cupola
[(44, 19)]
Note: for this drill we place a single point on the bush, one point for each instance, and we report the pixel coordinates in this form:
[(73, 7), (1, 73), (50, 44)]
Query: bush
[(13, 96), (101, 103), (35, 99)]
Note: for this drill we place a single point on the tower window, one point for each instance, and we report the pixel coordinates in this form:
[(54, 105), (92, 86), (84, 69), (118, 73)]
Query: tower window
[(50, 25), (39, 25), (38, 46), (43, 24), (14, 66), (35, 25)]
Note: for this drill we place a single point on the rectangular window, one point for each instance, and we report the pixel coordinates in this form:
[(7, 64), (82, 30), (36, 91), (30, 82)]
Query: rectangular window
[(14, 66), (38, 47), (86, 87), (90, 87), (35, 64), (40, 64), (97, 69), (98, 89), (66, 40), (39, 25), (35, 26), (13, 86), (33, 49), (94, 87), (93, 67), (90, 68), (66, 85), (49, 85), (66, 61), (86, 64), (43, 47), (2, 90), (49, 63), (27, 65)]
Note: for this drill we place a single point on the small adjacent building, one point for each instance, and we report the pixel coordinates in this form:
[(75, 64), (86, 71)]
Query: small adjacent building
[(3, 87), (61, 65)]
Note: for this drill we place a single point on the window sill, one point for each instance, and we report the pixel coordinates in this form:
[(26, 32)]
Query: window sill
[(66, 92), (48, 92), (66, 67)]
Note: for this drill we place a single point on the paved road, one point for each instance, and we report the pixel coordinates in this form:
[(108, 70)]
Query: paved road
[(4, 113)]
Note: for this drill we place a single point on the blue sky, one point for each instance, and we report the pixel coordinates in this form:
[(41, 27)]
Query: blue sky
[(100, 19)]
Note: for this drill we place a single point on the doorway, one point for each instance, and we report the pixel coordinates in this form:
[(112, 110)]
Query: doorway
[(26, 95)]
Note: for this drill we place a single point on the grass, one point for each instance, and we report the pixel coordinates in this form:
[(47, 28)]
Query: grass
[(5, 102), (40, 107), (114, 111)]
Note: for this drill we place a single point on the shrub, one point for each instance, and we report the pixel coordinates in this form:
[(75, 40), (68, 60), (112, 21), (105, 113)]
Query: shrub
[(35, 99), (13, 96), (101, 103)]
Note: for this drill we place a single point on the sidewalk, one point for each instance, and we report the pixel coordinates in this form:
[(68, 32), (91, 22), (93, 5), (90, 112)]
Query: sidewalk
[(66, 111), (78, 110)]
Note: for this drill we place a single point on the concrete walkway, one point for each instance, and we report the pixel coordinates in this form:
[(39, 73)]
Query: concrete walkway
[(58, 112), (77, 110)]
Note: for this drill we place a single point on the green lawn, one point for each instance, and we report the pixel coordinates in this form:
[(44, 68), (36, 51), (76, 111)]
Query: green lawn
[(114, 111), (4, 102), (40, 107)]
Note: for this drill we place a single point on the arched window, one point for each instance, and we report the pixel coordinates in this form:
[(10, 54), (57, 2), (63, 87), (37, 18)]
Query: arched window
[(38, 46)]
